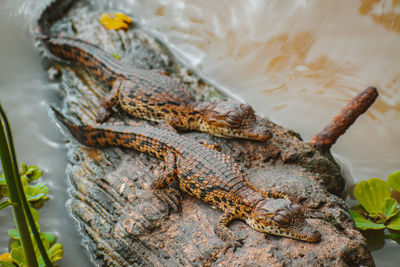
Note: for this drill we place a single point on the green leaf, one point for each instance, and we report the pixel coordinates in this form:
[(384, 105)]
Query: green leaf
[(17, 254), (13, 233), (6, 264), (45, 243), (49, 237), (37, 192), (394, 222), (56, 252), (15, 244), (3, 180), (24, 180), (393, 236), (116, 56), (394, 180), (363, 223), (4, 191), (24, 168), (371, 194), (389, 208), (5, 204), (35, 215), (33, 172)]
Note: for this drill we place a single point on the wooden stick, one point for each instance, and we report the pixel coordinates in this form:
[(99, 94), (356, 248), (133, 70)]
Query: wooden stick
[(346, 117)]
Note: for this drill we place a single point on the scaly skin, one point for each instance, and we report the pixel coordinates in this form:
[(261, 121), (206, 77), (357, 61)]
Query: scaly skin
[(147, 94), (207, 174)]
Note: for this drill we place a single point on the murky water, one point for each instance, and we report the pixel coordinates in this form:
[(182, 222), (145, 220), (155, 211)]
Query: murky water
[(297, 62), (25, 94)]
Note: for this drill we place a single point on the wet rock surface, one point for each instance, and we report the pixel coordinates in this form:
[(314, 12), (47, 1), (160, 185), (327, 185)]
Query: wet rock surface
[(124, 224)]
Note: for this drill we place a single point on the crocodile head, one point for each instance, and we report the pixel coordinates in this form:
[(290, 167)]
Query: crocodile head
[(232, 119), (283, 218)]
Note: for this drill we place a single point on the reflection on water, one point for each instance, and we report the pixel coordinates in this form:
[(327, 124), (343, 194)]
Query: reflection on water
[(297, 62)]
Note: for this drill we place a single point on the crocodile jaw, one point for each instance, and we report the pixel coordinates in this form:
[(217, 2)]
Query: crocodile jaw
[(299, 229)]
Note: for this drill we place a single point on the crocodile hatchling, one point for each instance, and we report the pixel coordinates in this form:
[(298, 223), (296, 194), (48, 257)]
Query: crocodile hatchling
[(147, 94), (207, 174)]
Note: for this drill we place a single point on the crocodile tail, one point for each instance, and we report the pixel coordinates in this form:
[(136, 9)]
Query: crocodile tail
[(54, 11), (69, 49), (79, 131), (103, 135), (140, 138), (86, 134)]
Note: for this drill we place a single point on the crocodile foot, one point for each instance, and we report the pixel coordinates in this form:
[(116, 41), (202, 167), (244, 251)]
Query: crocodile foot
[(233, 243), (170, 196)]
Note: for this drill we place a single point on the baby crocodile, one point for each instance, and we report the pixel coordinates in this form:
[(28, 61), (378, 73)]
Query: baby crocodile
[(147, 94), (207, 174)]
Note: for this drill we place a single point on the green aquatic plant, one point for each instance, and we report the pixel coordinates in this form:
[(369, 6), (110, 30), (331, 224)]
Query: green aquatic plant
[(54, 250), (21, 197), (377, 209), (35, 194), (394, 181)]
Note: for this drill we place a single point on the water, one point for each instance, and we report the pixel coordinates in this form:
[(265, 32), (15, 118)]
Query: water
[(297, 62), (25, 94)]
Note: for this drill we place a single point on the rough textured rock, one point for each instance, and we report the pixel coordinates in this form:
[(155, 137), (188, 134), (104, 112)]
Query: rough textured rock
[(124, 224)]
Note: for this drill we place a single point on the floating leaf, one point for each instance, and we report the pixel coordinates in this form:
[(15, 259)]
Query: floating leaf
[(116, 56), (15, 244), (394, 222), (115, 21), (389, 208), (371, 194), (17, 254), (56, 252), (36, 217), (6, 263), (49, 237), (34, 193), (394, 180), (24, 168), (13, 233), (46, 246), (33, 172), (363, 223)]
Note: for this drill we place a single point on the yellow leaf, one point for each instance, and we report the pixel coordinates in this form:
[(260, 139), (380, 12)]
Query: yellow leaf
[(6, 257), (115, 21)]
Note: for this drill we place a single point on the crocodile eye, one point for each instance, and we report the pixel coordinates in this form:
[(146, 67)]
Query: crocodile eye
[(234, 119), (281, 219), (247, 109), (296, 208)]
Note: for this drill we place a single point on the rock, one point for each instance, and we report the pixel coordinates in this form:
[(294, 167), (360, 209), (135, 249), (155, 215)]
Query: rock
[(124, 224)]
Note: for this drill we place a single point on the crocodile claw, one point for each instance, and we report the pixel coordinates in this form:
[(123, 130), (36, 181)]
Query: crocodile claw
[(233, 243), (170, 196)]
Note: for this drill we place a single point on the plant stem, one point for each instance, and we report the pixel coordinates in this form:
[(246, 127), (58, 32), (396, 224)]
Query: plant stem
[(10, 169), (25, 204)]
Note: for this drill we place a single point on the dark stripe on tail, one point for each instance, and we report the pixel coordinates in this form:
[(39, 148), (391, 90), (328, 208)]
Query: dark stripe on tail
[(78, 131), (50, 14)]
